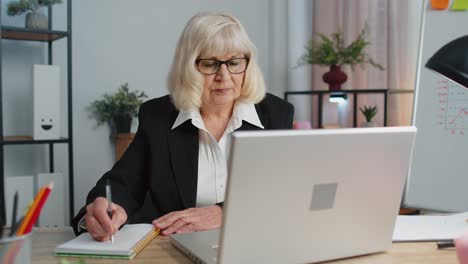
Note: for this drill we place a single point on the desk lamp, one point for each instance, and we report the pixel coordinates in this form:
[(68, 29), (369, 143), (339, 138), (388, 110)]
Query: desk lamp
[(451, 61), (338, 97)]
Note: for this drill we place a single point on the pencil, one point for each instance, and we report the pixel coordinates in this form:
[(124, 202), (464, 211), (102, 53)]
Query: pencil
[(13, 216), (30, 212), (39, 206)]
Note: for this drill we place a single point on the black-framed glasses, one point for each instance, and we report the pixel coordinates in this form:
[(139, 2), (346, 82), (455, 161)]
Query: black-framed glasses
[(211, 66)]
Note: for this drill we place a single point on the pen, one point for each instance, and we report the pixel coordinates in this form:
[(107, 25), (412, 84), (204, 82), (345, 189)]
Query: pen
[(109, 206), (445, 243), (13, 216)]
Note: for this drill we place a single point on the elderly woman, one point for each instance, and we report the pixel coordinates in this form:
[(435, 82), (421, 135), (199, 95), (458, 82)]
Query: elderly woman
[(180, 150)]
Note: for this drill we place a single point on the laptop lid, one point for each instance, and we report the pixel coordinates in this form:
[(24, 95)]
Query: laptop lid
[(299, 196)]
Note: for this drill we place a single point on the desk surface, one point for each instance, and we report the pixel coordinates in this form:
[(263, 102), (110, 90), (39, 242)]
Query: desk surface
[(160, 250)]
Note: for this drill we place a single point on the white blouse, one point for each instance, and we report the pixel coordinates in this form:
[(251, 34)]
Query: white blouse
[(212, 155)]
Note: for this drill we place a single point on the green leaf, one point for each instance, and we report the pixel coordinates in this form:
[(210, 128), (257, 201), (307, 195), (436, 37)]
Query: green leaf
[(325, 50), (122, 103), (19, 7), (369, 112)]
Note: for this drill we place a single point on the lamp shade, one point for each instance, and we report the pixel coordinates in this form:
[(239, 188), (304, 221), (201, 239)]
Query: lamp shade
[(451, 61)]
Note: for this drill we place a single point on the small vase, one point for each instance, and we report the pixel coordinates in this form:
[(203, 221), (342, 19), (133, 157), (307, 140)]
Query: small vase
[(369, 124), (37, 20), (122, 140), (335, 78)]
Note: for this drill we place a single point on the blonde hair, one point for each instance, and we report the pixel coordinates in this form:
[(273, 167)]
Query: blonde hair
[(210, 35)]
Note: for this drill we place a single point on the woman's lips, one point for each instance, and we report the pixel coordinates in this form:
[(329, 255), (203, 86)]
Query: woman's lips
[(222, 90)]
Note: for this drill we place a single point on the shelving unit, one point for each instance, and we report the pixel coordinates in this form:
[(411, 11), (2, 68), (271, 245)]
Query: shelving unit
[(49, 36), (355, 93)]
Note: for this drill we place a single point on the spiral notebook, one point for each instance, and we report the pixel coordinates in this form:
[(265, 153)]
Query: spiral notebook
[(128, 242)]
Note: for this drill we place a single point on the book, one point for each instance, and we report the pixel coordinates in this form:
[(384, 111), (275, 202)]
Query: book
[(128, 242)]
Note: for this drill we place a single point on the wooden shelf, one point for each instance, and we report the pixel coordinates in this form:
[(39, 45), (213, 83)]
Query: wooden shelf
[(17, 138), (16, 33), (24, 140)]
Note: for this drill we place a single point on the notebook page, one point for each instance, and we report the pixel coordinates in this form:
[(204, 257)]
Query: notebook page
[(124, 240)]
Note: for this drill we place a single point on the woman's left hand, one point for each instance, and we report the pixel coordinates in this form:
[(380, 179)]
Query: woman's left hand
[(190, 220)]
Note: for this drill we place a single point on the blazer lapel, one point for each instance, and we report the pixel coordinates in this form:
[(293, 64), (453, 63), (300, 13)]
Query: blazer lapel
[(263, 119), (183, 148)]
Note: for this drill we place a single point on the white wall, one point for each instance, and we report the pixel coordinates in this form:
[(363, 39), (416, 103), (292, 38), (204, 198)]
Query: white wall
[(117, 41), (299, 78)]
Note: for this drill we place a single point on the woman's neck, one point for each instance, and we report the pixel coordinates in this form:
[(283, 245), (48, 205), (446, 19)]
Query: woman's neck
[(217, 111), (216, 119)]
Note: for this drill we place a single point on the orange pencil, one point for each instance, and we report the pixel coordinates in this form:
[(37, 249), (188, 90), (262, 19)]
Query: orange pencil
[(30, 212), (41, 203)]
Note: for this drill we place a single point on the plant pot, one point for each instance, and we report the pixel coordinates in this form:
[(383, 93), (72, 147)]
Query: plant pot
[(335, 78), (369, 124), (122, 140), (37, 20), (122, 124)]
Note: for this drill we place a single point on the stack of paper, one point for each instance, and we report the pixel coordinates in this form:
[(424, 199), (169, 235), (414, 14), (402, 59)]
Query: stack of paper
[(430, 227)]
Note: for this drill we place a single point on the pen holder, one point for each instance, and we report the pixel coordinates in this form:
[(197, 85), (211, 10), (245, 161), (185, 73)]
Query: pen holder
[(15, 250)]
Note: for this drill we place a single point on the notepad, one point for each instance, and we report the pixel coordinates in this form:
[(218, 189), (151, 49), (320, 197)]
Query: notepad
[(128, 242)]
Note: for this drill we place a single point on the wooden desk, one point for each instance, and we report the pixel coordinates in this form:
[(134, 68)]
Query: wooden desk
[(161, 251)]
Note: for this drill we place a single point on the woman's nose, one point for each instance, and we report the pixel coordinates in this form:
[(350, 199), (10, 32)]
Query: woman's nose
[(223, 72)]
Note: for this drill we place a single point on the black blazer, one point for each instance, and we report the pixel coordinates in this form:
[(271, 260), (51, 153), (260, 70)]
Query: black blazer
[(164, 162)]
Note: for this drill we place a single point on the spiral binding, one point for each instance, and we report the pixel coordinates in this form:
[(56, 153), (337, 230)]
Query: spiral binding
[(140, 245)]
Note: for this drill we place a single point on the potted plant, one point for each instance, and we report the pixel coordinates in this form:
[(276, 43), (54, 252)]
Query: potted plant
[(369, 113), (34, 18), (332, 51), (117, 109)]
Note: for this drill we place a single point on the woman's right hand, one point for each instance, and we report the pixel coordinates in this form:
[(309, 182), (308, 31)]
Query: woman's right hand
[(98, 222)]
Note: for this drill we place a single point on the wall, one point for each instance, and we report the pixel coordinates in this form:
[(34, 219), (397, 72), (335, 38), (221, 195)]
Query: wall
[(117, 41), (299, 78)]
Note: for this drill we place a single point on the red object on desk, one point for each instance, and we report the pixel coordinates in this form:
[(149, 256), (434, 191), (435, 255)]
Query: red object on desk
[(38, 208)]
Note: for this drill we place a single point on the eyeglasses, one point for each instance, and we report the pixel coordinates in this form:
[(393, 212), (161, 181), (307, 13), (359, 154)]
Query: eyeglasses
[(211, 66)]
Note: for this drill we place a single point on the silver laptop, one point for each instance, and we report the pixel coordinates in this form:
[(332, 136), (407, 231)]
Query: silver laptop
[(300, 196)]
